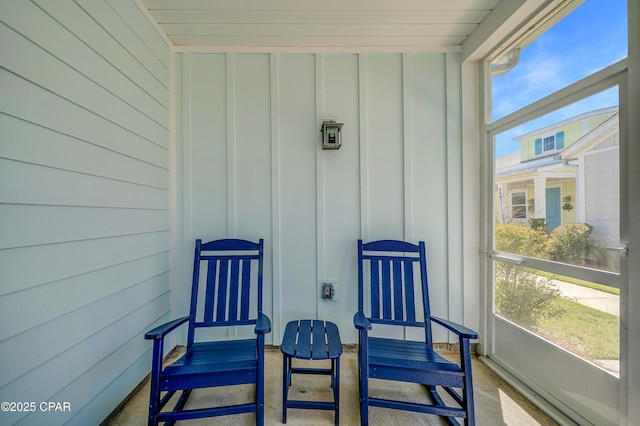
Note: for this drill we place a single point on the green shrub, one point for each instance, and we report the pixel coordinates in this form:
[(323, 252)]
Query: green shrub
[(571, 242), (522, 240), (605, 259), (538, 224), (524, 297)]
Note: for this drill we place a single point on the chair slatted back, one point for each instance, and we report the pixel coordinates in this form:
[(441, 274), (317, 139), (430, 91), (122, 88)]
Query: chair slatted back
[(224, 281), (395, 275)]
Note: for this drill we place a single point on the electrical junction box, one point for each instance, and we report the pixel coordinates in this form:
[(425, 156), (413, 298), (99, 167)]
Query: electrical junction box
[(331, 134), (328, 291)]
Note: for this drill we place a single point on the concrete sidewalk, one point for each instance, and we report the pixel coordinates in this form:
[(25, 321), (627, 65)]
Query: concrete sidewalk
[(600, 300)]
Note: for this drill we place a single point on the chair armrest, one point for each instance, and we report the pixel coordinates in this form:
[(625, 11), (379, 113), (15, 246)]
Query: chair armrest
[(361, 322), (456, 328), (164, 329), (263, 324)]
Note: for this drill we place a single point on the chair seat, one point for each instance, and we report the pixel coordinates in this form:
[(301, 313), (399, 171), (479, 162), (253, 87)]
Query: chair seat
[(407, 355), (235, 359)]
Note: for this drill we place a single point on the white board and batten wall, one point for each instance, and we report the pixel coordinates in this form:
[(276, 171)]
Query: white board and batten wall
[(251, 166), (84, 204), (87, 167)]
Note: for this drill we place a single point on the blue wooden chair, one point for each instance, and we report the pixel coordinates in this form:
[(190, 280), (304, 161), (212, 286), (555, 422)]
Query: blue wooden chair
[(225, 293), (394, 275)]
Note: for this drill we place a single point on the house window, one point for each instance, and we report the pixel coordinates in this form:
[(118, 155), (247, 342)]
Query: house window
[(549, 143), (518, 205)]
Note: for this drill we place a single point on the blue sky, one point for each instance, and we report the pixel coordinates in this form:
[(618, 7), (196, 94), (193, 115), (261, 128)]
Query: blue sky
[(589, 39)]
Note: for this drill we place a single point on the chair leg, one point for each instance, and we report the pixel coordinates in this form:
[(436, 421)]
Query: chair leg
[(364, 403), (154, 394), (153, 413), (154, 402), (470, 420), (285, 387), (363, 376), (260, 382), (182, 401), (359, 377), (260, 403), (437, 400), (336, 390), (364, 395), (467, 392)]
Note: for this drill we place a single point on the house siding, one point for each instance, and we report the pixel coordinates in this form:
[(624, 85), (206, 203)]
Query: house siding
[(84, 203), (602, 204), (596, 121), (252, 167), (569, 190), (572, 133)]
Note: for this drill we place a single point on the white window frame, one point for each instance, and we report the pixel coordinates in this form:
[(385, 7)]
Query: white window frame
[(630, 129), (614, 75)]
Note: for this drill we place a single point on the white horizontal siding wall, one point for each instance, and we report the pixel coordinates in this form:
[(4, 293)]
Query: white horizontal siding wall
[(602, 200), (252, 167), (84, 203)]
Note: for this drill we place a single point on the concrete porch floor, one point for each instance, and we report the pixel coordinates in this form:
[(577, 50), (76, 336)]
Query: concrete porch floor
[(497, 403)]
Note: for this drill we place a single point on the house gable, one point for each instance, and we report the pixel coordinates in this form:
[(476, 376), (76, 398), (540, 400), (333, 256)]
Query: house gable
[(558, 136)]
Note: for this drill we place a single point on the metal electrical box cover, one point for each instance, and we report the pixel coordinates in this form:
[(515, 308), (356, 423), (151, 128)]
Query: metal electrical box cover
[(331, 134)]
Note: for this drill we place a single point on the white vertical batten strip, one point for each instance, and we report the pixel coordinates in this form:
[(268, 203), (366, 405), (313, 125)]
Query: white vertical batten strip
[(175, 212), (454, 186), (187, 170), (275, 197), (407, 142), (231, 147), (320, 183), (232, 217), (364, 170)]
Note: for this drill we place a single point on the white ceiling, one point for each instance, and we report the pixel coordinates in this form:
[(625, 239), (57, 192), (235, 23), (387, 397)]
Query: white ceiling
[(329, 25)]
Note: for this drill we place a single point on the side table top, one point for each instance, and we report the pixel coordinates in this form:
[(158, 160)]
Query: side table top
[(311, 339)]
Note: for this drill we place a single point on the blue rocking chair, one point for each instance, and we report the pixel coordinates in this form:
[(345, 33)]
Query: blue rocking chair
[(221, 296), (396, 280)]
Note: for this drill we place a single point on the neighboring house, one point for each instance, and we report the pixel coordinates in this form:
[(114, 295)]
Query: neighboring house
[(562, 173)]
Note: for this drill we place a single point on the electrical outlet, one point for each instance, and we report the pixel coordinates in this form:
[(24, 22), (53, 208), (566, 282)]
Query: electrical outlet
[(328, 291)]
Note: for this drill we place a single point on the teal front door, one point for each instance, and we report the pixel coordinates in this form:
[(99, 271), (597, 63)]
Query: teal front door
[(554, 218)]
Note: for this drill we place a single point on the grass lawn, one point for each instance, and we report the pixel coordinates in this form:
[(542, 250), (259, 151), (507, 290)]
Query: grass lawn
[(584, 331), (600, 287)]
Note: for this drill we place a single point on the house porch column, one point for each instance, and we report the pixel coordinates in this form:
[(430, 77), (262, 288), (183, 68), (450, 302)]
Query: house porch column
[(540, 194), (581, 198)]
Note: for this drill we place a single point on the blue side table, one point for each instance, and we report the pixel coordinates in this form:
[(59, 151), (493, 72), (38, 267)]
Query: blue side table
[(312, 340)]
